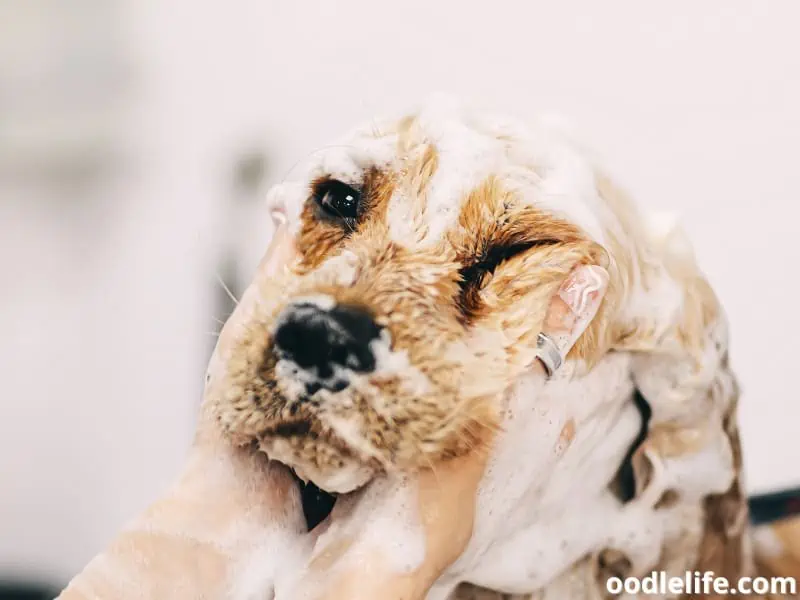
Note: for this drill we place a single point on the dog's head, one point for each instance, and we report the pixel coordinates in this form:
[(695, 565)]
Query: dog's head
[(430, 247)]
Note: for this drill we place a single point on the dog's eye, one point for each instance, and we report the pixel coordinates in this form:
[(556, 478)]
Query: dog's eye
[(473, 273), (337, 199)]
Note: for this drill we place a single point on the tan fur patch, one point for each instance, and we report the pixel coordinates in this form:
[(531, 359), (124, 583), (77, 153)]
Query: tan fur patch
[(404, 288)]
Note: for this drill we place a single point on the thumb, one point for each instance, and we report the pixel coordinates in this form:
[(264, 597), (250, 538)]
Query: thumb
[(571, 310)]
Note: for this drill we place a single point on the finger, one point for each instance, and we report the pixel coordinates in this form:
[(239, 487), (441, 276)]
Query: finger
[(280, 252), (571, 310), (199, 538)]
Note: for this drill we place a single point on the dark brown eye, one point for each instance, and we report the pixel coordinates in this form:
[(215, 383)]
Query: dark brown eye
[(337, 200)]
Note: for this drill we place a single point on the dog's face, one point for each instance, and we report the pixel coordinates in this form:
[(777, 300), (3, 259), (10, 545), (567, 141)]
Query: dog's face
[(429, 250)]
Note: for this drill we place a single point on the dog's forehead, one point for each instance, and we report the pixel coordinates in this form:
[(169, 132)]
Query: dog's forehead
[(536, 162)]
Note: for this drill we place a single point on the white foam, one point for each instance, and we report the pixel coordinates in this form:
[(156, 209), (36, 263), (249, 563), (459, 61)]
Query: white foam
[(515, 547)]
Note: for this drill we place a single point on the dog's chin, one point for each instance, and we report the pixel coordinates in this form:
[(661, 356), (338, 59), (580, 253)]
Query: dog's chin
[(319, 489), (342, 479)]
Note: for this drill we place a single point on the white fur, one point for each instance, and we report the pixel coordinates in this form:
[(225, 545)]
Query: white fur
[(346, 479), (466, 157), (566, 183), (389, 362)]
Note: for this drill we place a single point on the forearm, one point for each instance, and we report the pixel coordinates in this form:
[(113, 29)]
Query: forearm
[(146, 561), (199, 538)]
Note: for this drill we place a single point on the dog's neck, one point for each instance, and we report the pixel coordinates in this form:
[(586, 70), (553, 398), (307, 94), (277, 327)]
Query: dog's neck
[(545, 501), (548, 518)]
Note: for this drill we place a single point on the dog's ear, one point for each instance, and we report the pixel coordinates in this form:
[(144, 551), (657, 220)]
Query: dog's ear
[(660, 308), (691, 455)]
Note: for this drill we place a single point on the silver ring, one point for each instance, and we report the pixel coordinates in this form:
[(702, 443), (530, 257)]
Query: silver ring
[(548, 353)]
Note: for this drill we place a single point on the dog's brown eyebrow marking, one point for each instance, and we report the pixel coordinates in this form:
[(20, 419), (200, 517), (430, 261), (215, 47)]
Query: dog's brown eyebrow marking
[(494, 227)]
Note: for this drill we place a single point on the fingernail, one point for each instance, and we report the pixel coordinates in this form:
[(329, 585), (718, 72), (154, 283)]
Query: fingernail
[(280, 201), (582, 289), (279, 217)]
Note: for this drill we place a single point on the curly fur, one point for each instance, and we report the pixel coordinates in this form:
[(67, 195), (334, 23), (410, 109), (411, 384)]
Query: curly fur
[(442, 189)]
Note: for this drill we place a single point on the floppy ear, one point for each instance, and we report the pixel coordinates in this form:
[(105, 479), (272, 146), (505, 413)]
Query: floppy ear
[(688, 467), (690, 461)]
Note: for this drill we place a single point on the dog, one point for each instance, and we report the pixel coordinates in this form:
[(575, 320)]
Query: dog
[(430, 245)]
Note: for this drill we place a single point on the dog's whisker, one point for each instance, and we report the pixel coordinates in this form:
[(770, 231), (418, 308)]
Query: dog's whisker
[(227, 289)]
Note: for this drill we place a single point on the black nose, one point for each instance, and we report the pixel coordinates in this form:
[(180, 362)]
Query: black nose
[(313, 337)]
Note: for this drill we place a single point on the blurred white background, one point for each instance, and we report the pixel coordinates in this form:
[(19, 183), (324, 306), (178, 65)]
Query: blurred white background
[(126, 124)]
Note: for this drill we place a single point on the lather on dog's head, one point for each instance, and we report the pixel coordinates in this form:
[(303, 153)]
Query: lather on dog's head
[(430, 248)]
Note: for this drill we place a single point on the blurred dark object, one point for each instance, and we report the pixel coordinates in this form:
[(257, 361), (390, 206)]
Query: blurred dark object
[(20, 590), (766, 508), (248, 175)]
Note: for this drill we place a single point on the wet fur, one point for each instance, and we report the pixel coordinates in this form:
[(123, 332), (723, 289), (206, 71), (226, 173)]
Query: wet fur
[(445, 190)]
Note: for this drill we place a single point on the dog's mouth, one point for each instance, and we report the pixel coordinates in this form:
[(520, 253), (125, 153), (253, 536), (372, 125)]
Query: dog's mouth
[(317, 503)]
